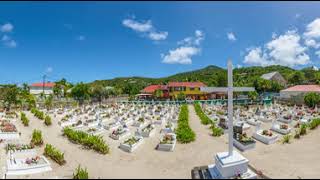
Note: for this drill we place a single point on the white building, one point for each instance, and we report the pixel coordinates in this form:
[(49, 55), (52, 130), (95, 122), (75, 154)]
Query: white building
[(38, 88), (275, 76)]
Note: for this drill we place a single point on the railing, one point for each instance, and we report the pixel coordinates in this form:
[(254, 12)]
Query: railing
[(213, 101)]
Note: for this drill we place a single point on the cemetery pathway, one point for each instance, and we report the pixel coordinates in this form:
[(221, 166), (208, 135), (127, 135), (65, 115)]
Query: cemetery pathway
[(202, 131)]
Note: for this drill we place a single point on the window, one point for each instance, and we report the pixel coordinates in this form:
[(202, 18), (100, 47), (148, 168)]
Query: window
[(192, 88)]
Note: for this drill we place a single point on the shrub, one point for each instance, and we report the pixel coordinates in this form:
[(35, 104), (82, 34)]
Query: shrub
[(216, 131), (90, 141), (312, 99), (24, 119), (286, 139), (39, 114), (314, 124), (47, 120), (203, 117), (303, 129), (54, 154), (297, 134), (81, 173), (183, 131), (36, 138)]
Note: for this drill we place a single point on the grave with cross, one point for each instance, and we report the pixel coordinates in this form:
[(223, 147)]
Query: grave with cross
[(232, 163)]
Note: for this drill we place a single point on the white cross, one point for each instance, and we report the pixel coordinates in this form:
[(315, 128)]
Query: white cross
[(230, 89)]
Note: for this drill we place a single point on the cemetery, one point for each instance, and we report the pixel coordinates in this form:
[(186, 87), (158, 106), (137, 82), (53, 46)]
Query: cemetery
[(156, 133)]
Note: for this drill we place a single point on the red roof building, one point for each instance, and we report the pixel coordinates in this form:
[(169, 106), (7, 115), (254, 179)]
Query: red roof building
[(39, 88), (47, 85), (303, 88), (296, 93), (152, 88)]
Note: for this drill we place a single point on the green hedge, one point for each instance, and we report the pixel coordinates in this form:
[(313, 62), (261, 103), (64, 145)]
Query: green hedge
[(216, 131), (314, 124), (37, 138), (81, 173), (47, 120), (203, 117), (39, 114), (184, 132), (24, 119), (54, 154), (90, 141)]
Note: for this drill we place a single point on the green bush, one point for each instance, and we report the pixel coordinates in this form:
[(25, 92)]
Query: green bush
[(297, 134), (203, 117), (24, 119), (39, 114), (54, 154), (183, 131), (36, 138), (90, 141), (47, 120), (216, 131), (312, 99), (314, 124), (286, 139), (81, 173), (303, 129)]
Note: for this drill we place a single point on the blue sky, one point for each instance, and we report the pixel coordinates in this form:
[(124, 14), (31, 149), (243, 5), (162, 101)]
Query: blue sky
[(85, 41)]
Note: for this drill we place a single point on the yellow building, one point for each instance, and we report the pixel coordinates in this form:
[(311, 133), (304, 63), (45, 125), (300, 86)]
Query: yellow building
[(189, 89)]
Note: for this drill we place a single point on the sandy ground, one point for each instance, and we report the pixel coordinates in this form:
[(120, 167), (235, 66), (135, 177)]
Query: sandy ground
[(298, 159)]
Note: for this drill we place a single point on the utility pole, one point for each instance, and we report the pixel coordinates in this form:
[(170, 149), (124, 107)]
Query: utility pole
[(44, 81)]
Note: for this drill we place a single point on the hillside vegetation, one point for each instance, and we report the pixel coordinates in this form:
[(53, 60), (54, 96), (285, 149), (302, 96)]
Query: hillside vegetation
[(216, 76)]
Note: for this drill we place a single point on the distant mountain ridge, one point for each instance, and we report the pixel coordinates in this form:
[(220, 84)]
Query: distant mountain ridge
[(210, 75)]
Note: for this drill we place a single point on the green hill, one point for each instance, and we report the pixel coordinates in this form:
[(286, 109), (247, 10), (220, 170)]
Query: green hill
[(214, 76)]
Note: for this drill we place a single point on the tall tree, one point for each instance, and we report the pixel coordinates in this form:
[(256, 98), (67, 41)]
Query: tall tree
[(99, 92), (297, 78), (10, 96), (80, 92)]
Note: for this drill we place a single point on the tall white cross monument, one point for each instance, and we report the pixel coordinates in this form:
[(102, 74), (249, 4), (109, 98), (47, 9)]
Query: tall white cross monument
[(231, 163)]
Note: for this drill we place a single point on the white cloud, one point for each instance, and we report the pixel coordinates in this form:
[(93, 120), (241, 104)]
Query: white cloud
[(5, 38), (231, 36), (239, 66), (11, 43), (49, 70), (193, 41), (311, 43), (146, 28), (282, 50), (138, 26), (189, 47), (8, 27), (287, 50), (81, 38), (312, 34), (313, 29), (8, 41), (199, 37), (181, 55), (156, 36), (256, 57), (297, 16)]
